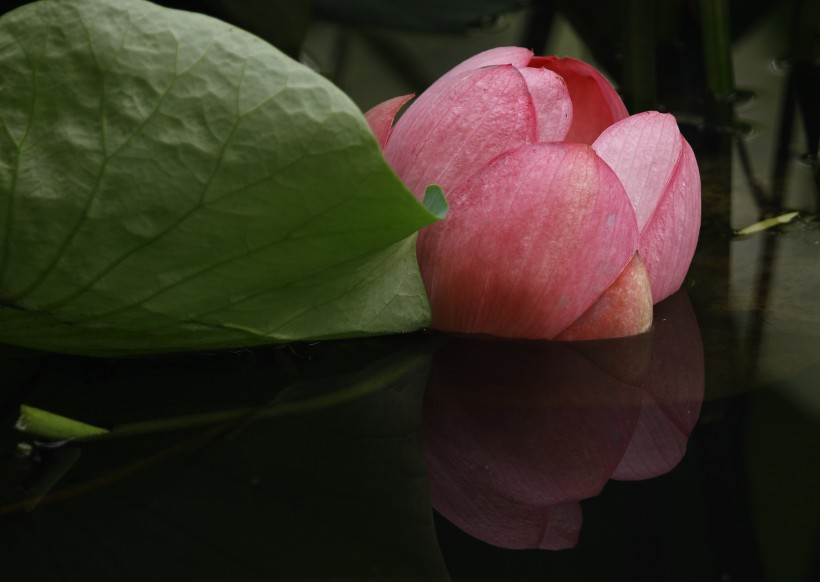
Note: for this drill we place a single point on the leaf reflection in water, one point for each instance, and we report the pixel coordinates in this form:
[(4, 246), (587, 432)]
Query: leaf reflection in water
[(517, 433), (257, 466)]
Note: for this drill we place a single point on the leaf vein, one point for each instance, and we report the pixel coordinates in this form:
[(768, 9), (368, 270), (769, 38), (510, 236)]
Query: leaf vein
[(96, 188), (4, 258), (280, 285), (182, 218)]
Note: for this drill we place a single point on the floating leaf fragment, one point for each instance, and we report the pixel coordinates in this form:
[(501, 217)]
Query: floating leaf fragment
[(767, 224)]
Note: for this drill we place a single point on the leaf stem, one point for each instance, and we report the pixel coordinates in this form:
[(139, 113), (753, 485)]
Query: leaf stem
[(48, 425)]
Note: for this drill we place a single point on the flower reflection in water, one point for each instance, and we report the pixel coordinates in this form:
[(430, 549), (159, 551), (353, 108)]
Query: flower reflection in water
[(517, 433)]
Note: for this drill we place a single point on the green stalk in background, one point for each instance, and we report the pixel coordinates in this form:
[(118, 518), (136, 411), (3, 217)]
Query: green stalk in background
[(640, 79), (717, 48)]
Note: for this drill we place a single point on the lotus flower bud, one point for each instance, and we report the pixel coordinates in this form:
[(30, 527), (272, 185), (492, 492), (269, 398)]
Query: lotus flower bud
[(568, 218)]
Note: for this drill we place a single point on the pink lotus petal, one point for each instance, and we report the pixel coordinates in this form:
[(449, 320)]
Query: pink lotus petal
[(668, 241), (550, 98), (595, 103), (643, 150), (380, 118), (624, 310), (530, 243), (456, 127), (673, 393), (660, 174), (505, 55)]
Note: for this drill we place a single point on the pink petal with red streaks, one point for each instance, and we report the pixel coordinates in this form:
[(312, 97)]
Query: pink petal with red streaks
[(595, 103), (457, 126), (530, 243)]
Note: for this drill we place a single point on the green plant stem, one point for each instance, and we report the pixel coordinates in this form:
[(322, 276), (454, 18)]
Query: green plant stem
[(717, 48), (372, 380), (640, 77), (53, 426)]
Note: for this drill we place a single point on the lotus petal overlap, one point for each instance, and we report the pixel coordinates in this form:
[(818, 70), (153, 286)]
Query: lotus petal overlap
[(506, 261), (456, 128), (568, 218), (598, 104), (658, 170)]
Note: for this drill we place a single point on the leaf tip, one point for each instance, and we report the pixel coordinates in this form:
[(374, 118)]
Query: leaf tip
[(52, 426), (435, 201)]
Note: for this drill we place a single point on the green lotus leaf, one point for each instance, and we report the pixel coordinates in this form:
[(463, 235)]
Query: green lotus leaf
[(169, 182)]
